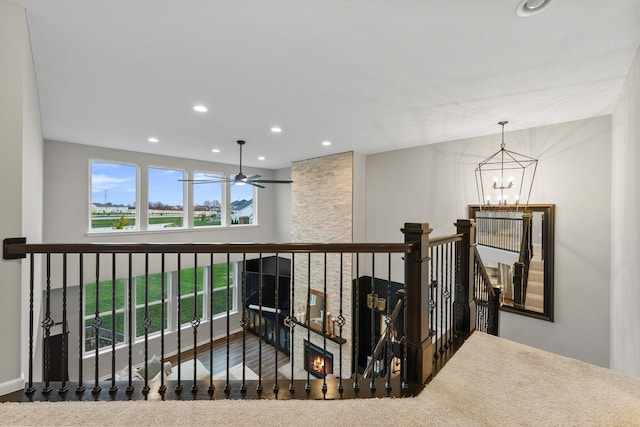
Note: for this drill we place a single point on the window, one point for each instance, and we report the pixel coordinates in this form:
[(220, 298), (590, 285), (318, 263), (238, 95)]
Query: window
[(113, 196), (98, 314), (242, 197), (166, 198), (207, 202), (191, 294), (221, 281), (194, 295), (154, 303)]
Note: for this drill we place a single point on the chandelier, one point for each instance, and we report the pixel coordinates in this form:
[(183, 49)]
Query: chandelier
[(505, 179)]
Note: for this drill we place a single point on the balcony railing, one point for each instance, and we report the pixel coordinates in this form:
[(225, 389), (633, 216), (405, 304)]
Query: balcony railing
[(382, 336)]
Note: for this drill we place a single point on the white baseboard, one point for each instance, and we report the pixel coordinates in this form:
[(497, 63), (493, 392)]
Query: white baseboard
[(11, 386)]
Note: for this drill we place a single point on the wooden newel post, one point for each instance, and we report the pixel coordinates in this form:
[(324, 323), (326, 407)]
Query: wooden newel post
[(419, 341), (464, 306)]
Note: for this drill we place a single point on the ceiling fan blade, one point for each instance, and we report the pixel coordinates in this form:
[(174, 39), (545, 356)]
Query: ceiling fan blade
[(239, 178), (204, 181), (272, 181)]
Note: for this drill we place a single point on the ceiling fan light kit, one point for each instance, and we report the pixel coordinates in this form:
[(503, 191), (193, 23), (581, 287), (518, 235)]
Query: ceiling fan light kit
[(240, 178)]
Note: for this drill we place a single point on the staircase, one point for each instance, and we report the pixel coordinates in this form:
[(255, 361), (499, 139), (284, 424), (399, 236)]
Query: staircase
[(535, 285)]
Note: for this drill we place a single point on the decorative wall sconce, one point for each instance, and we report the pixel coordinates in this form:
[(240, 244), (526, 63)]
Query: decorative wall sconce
[(511, 176), (376, 302)]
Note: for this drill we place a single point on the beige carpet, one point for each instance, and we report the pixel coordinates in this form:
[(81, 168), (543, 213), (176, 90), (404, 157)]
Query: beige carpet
[(490, 381)]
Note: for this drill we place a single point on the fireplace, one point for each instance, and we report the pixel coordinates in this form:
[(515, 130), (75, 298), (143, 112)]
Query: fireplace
[(316, 361)]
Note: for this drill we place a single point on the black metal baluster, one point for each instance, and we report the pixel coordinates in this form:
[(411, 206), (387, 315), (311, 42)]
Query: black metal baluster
[(449, 263), (324, 328), (262, 324), (445, 290), (372, 310), (452, 290), (356, 339), (97, 324), (458, 284), (211, 314), (31, 389), (276, 324), (146, 323), (179, 387), (403, 374), (227, 386), (243, 324), (390, 330), (341, 323), (307, 386), (163, 388), (47, 323), (195, 322), (113, 387), (81, 328), (442, 284), (292, 324), (130, 317), (433, 301), (63, 362)]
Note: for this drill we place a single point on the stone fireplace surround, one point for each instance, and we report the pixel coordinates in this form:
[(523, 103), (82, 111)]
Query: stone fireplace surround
[(323, 211)]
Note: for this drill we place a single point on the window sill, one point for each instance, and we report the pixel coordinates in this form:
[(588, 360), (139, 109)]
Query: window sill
[(167, 230)]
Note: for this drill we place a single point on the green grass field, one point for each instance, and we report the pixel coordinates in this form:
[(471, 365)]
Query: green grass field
[(188, 287), (97, 223)]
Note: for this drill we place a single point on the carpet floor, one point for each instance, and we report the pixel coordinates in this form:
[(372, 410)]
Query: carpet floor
[(490, 381)]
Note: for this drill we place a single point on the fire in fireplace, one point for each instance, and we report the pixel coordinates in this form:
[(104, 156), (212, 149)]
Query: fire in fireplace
[(316, 361)]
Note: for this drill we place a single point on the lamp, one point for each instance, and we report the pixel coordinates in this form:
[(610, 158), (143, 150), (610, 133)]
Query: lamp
[(505, 179)]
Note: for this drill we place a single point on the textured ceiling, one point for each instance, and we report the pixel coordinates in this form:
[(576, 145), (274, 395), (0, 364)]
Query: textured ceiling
[(368, 75)]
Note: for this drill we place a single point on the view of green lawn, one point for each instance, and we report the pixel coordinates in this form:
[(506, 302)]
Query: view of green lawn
[(100, 222), (188, 289)]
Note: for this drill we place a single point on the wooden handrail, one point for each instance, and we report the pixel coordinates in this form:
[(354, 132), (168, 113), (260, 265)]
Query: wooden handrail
[(436, 241), (94, 248)]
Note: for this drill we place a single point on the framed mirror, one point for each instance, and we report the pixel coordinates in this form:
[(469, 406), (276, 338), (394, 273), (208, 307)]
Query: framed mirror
[(516, 247), (316, 309)]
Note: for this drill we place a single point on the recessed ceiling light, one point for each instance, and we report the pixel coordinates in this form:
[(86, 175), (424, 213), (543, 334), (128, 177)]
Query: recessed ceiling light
[(215, 150), (261, 158), (200, 108), (531, 7), (153, 139), (276, 129), (326, 143)]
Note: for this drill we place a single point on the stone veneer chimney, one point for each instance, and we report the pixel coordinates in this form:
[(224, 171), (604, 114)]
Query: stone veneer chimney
[(322, 204)]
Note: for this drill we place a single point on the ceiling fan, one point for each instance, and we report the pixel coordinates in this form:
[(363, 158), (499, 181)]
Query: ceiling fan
[(240, 178)]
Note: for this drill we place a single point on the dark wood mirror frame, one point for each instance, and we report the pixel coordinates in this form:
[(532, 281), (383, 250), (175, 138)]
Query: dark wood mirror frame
[(316, 309), (547, 235)]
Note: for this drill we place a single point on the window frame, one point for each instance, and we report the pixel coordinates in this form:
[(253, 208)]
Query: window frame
[(184, 211), (223, 200), (254, 206), (137, 225)]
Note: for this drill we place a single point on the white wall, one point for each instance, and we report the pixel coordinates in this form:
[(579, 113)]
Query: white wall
[(282, 204), (20, 182), (67, 192), (625, 230), (435, 183)]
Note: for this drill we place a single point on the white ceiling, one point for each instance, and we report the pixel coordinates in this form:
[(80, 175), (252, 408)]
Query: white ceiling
[(368, 75)]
